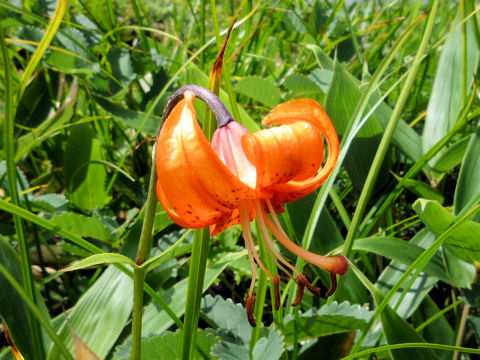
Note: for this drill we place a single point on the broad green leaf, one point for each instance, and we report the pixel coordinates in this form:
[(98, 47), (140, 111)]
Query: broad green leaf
[(439, 331), (130, 118), (13, 311), (100, 315), (259, 89), (301, 86), (100, 259), (472, 296), (330, 319), (85, 177), (451, 156), (463, 242), (82, 225), (406, 252), (397, 331), (447, 94), (340, 103), (328, 347), (322, 78), (421, 189), (469, 178)]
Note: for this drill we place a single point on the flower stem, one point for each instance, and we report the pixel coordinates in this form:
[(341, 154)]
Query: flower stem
[(144, 246)]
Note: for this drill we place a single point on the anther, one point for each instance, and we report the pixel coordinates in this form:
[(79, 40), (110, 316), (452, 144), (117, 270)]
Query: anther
[(250, 306), (333, 287), (299, 297), (276, 290)]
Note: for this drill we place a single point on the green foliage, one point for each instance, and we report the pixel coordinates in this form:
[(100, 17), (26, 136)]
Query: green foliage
[(83, 86)]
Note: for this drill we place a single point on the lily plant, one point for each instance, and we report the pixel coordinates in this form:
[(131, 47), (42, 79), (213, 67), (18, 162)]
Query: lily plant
[(241, 176)]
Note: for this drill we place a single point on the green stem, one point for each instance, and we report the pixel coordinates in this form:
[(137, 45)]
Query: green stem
[(8, 140), (198, 264), (138, 279), (144, 246)]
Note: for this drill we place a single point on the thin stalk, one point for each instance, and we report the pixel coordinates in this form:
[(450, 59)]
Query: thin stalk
[(437, 315), (138, 280), (144, 246), (461, 330), (387, 136), (8, 140), (196, 276)]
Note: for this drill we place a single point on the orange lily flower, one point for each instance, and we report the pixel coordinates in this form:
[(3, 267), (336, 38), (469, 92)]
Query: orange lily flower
[(241, 176)]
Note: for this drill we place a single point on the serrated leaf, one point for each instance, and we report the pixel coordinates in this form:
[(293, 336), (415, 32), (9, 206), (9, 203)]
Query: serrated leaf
[(463, 242), (101, 259), (228, 316), (49, 202), (259, 89), (269, 347), (330, 319), (169, 345)]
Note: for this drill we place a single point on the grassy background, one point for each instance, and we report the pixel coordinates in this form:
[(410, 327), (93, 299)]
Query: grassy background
[(83, 86)]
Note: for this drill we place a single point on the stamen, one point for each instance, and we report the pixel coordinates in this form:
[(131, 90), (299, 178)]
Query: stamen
[(305, 283), (250, 307), (276, 291), (247, 234), (335, 264), (299, 297), (274, 252), (333, 287)]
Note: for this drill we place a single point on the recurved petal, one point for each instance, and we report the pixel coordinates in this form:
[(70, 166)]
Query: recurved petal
[(194, 186), (309, 111), (287, 152)]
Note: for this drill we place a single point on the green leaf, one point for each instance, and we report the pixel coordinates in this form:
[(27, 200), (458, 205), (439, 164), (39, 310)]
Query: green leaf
[(49, 202), (101, 259), (330, 319), (85, 178), (463, 242), (100, 315), (451, 156), (228, 316), (406, 252), (301, 86), (156, 321), (129, 117), (322, 78), (82, 225), (469, 178), (259, 89), (421, 189), (269, 347), (13, 311), (447, 94), (340, 103)]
